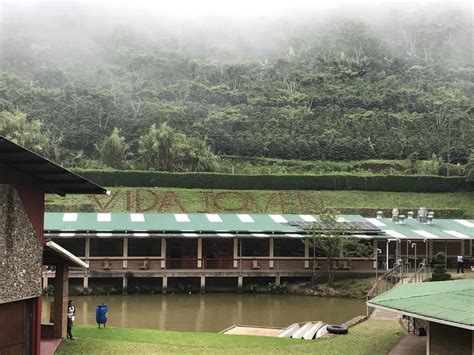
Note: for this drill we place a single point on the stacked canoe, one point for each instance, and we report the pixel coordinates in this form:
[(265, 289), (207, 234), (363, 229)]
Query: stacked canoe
[(308, 331)]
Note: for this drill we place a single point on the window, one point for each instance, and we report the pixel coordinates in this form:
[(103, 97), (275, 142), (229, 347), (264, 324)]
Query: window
[(106, 247), (144, 247)]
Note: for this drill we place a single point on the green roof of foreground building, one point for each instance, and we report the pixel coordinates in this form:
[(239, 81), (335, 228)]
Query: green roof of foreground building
[(254, 225), (446, 302)]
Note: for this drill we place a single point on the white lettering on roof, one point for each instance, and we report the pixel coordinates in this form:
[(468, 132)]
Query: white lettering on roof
[(457, 234), (70, 217), (213, 217), (376, 222), (395, 234), (259, 235), (465, 223), (137, 217), (426, 234), (104, 217), (307, 218), (278, 218), (181, 217), (245, 218)]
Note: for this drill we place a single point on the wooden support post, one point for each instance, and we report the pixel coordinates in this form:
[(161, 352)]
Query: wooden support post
[(61, 286), (45, 281), (164, 287), (272, 253), (202, 286), (236, 253), (163, 255), (199, 254), (125, 253), (87, 248), (240, 283), (306, 255), (85, 282), (277, 280), (428, 338), (124, 285)]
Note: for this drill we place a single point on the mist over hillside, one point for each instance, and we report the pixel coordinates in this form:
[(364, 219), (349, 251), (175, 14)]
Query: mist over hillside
[(340, 82)]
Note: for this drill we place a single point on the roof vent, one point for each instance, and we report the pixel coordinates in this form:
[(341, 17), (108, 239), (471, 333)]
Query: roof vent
[(422, 213), (379, 214), (401, 219), (395, 213), (411, 214)]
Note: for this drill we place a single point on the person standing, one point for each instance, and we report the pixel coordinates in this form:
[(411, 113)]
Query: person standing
[(461, 263), (71, 312)]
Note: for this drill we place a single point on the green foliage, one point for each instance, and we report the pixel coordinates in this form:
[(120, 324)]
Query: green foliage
[(401, 183), (32, 135), (332, 242), (164, 149), (278, 289), (469, 168), (439, 270), (113, 150), (344, 91)]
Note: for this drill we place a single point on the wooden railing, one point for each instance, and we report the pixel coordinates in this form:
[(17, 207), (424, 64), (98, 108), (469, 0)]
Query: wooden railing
[(385, 282), (246, 263), (421, 274)]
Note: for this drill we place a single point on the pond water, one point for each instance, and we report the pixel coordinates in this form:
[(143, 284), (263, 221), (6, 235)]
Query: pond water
[(212, 312)]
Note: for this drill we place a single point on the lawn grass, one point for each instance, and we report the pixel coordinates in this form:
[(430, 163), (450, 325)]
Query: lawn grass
[(123, 199), (370, 337)]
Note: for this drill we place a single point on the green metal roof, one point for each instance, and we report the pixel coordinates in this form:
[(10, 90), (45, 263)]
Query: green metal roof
[(448, 302), (226, 223), (413, 229)]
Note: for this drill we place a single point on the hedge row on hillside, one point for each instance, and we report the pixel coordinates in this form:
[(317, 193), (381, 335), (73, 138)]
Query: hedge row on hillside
[(278, 182)]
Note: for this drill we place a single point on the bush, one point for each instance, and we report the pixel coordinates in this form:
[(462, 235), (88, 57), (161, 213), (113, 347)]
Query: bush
[(439, 270), (397, 183)]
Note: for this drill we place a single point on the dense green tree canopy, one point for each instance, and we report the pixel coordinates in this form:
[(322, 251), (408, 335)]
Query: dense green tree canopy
[(342, 89)]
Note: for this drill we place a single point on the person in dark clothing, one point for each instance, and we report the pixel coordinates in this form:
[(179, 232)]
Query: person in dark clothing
[(71, 311)]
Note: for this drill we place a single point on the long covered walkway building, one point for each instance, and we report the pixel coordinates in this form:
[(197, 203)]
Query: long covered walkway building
[(231, 250)]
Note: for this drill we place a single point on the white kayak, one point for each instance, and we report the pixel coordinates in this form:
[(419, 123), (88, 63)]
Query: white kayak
[(300, 332), (311, 332), (322, 332), (288, 331)]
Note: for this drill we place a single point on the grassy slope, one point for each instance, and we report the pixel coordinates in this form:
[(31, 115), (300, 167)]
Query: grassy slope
[(196, 200), (371, 337)]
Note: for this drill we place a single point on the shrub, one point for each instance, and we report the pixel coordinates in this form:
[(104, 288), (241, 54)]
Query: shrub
[(397, 183), (439, 270)]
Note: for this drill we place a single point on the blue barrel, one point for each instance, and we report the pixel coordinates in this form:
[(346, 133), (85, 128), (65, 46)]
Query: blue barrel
[(101, 314)]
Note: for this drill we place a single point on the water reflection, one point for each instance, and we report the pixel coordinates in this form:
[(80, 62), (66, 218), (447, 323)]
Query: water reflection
[(213, 312)]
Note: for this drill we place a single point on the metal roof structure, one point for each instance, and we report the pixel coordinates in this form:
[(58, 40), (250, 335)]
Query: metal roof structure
[(249, 225), (446, 302), (43, 172)]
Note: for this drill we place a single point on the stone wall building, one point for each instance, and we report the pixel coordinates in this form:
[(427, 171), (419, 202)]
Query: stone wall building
[(25, 178)]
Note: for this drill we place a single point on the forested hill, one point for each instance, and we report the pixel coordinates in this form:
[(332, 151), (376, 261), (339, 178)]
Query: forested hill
[(338, 88)]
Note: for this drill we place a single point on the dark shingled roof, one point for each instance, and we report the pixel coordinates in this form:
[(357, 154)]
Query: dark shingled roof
[(44, 173)]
